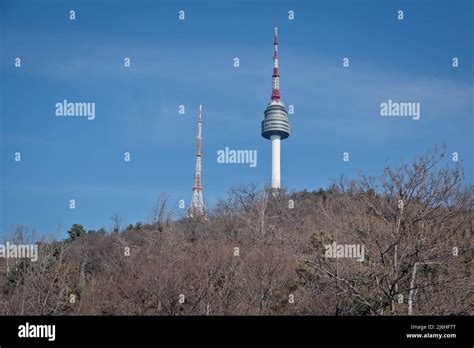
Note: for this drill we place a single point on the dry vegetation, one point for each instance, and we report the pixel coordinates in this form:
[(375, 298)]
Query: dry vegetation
[(408, 252)]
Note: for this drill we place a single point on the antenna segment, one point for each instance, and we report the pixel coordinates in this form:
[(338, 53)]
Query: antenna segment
[(196, 207)]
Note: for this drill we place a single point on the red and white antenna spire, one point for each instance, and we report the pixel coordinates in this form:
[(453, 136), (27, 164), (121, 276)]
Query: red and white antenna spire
[(196, 207), (275, 76)]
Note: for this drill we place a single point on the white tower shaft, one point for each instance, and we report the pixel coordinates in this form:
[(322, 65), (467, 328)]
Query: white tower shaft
[(276, 179)]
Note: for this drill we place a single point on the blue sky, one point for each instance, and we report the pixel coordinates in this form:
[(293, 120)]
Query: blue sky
[(191, 62)]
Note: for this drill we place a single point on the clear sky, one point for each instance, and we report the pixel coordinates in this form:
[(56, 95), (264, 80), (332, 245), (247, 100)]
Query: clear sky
[(190, 62)]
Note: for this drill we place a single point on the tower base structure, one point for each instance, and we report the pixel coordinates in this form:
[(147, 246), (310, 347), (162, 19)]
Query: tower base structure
[(196, 209)]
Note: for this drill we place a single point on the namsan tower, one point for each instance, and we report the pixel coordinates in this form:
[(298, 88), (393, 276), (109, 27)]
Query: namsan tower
[(275, 125), (196, 208)]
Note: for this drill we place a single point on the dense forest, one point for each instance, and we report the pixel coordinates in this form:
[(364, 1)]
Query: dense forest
[(260, 252)]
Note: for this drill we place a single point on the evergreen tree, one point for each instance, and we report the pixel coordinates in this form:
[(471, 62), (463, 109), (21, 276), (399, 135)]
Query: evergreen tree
[(76, 231)]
